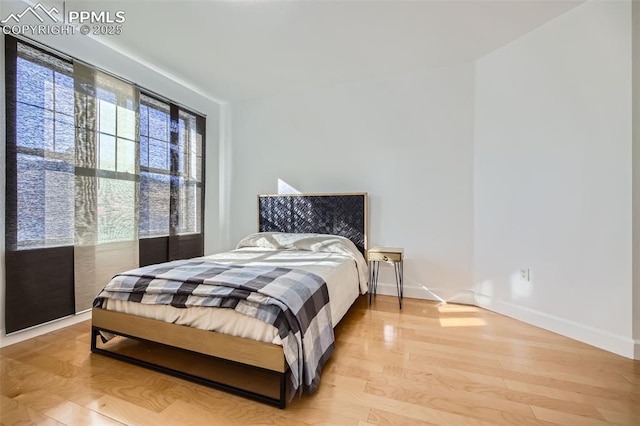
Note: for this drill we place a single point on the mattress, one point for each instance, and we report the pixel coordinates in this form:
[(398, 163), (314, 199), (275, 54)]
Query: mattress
[(344, 277)]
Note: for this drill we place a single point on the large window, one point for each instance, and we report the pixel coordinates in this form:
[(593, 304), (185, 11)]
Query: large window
[(44, 151), (101, 177)]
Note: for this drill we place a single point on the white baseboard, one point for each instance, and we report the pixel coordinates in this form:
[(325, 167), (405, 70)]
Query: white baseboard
[(602, 339), (39, 330), (590, 335), (414, 291)]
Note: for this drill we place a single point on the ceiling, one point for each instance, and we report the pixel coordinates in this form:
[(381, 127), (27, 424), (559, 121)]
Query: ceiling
[(235, 50)]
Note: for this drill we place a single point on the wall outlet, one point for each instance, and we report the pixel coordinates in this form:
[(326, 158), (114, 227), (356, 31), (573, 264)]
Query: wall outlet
[(525, 274)]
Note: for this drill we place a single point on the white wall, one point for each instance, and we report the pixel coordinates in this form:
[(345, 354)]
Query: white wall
[(95, 53), (406, 140), (553, 176)]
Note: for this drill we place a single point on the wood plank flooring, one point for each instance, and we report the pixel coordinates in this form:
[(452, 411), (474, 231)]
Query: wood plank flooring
[(427, 364)]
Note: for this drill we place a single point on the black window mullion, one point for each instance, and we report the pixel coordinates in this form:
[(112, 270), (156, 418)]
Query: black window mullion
[(174, 183)]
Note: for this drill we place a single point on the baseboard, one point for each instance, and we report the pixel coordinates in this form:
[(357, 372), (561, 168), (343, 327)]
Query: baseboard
[(590, 335), (610, 342), (414, 291), (39, 330)]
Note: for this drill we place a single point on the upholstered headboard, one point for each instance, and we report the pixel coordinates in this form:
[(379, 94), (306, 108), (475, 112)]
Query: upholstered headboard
[(336, 214)]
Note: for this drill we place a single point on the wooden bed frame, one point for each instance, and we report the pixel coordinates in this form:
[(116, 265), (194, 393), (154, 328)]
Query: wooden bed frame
[(237, 365)]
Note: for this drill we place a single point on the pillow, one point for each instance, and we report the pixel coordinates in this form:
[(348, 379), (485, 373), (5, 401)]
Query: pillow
[(308, 242)]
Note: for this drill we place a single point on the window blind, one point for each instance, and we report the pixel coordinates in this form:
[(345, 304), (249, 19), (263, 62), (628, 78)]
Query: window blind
[(155, 169), (40, 148), (39, 204), (101, 177), (171, 181), (106, 180)]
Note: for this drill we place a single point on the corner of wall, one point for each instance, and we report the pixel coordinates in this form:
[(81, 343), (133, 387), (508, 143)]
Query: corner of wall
[(225, 173), (635, 158)]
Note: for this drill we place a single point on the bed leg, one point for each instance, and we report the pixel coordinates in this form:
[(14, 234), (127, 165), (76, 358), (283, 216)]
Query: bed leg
[(94, 337), (283, 391)]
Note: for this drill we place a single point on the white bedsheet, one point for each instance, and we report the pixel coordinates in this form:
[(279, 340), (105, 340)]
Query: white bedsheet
[(338, 271)]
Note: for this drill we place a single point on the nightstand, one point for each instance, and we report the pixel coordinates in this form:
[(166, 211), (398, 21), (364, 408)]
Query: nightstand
[(392, 255)]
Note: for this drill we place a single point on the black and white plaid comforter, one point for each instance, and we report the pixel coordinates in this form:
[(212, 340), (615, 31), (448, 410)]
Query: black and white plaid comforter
[(296, 302)]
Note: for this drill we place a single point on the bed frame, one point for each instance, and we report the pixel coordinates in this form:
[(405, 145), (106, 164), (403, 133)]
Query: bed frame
[(237, 365)]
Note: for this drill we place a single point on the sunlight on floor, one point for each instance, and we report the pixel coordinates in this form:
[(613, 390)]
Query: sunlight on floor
[(462, 322), (457, 308)]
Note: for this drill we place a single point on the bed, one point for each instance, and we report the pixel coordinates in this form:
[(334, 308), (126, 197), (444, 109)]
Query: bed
[(319, 236)]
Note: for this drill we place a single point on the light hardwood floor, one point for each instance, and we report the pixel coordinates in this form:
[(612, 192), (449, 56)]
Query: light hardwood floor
[(427, 364)]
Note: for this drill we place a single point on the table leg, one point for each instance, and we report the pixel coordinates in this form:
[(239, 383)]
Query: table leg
[(399, 280), (373, 278)]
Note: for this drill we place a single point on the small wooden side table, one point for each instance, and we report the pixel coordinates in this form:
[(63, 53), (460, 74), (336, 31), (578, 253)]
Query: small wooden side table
[(393, 255)]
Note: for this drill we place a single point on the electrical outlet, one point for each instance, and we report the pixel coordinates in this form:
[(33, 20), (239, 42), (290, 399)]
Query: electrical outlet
[(525, 275)]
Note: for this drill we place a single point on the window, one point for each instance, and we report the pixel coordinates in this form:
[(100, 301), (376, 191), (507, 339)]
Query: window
[(170, 169), (155, 170), (101, 177), (44, 151), (189, 175)]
